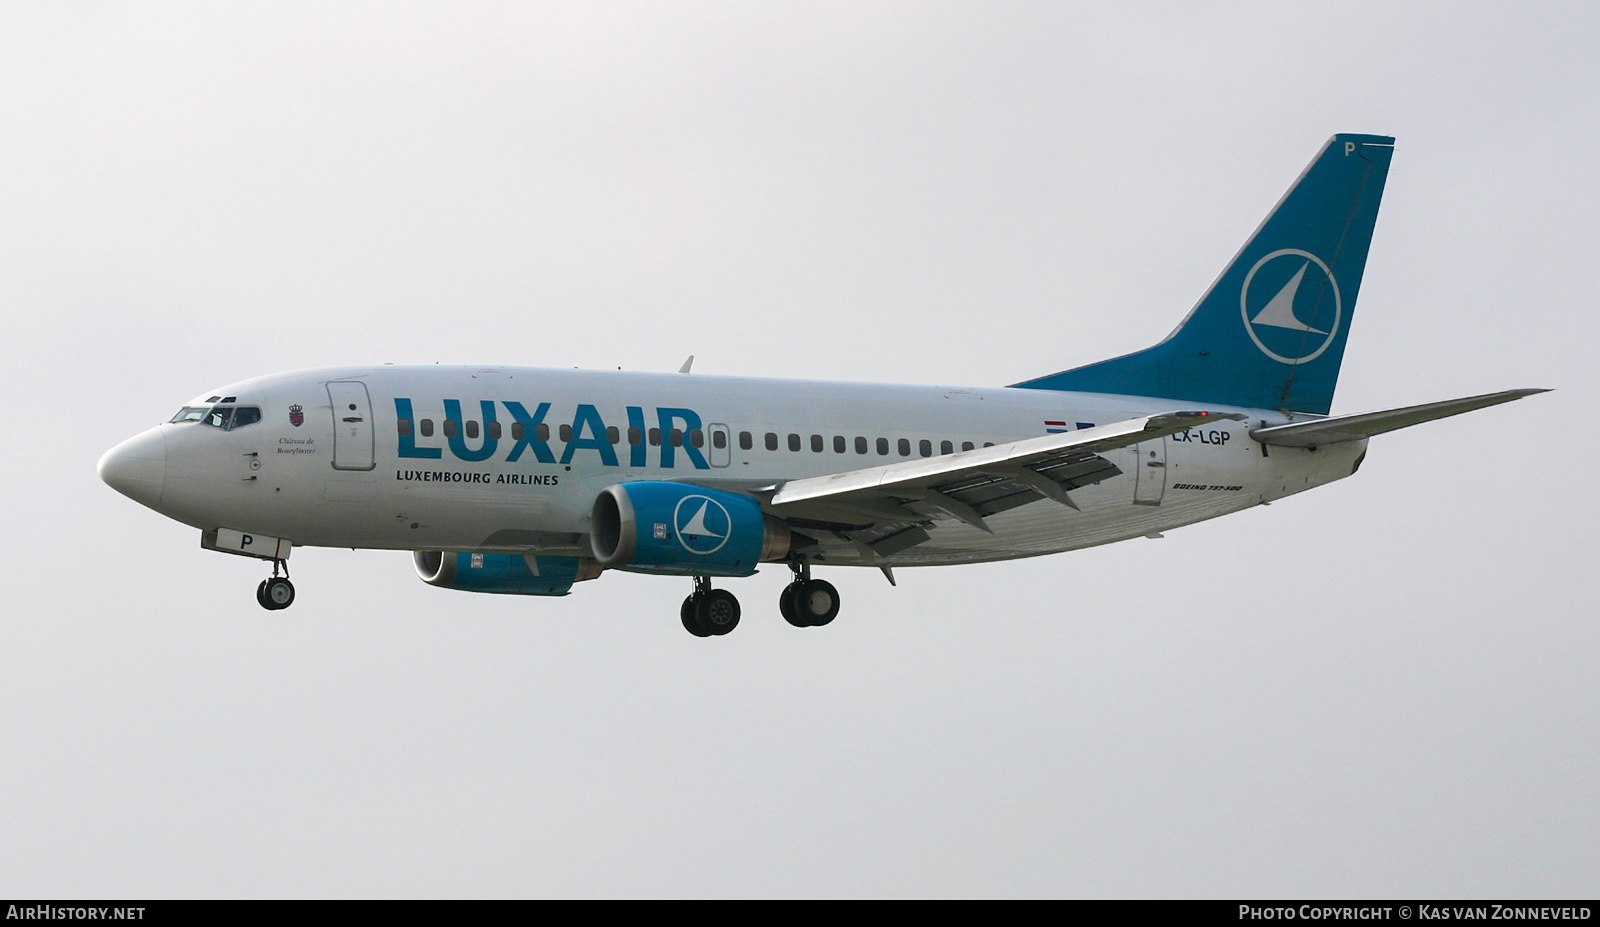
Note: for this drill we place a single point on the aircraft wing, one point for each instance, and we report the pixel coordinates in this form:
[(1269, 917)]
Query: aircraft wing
[(1366, 424), (887, 507)]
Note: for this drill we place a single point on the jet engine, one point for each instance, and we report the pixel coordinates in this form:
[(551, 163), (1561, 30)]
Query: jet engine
[(677, 529), (506, 574)]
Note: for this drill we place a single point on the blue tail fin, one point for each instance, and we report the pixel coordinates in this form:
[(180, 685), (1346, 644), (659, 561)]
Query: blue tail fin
[(1270, 332)]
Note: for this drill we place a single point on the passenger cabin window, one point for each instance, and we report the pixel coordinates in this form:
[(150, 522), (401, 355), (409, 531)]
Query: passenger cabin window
[(613, 436), (745, 441), (861, 445), (719, 439), (966, 445), (451, 429), (472, 430), (925, 447), (904, 447), (883, 447), (427, 428), (772, 441), (794, 442), (816, 444), (519, 432), (945, 447), (403, 426), (838, 444), (494, 430)]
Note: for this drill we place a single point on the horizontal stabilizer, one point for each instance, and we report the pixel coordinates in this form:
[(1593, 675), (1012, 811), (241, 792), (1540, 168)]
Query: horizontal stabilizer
[(1366, 424)]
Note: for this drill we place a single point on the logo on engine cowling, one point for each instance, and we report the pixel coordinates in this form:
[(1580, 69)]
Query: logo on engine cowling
[(702, 524)]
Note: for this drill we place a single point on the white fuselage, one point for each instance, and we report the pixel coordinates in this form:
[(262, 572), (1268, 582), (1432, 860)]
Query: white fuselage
[(360, 477)]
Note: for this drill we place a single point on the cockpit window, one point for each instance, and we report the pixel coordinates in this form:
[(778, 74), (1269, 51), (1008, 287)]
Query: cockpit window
[(225, 417)]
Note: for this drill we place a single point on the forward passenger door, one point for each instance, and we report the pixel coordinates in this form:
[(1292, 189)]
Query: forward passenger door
[(352, 425)]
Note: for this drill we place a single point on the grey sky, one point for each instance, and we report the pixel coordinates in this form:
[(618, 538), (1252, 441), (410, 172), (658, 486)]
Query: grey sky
[(1387, 687)]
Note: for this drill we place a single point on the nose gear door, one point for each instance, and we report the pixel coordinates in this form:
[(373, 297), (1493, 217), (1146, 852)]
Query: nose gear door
[(352, 425)]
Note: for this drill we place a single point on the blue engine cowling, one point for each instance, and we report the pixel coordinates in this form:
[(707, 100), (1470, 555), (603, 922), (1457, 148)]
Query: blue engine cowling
[(682, 530), (506, 574)]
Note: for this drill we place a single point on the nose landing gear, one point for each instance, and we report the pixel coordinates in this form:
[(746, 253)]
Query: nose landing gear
[(276, 591)]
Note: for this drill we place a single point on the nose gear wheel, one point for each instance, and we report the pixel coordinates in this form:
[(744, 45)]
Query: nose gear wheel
[(276, 592)]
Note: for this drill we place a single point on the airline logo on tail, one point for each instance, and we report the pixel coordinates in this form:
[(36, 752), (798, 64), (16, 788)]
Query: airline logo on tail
[(1293, 310)]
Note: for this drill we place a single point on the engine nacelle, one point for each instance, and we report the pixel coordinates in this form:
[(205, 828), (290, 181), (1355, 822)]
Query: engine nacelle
[(682, 530), (506, 574)]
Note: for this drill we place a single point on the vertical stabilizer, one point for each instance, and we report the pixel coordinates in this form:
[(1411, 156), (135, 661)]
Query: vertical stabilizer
[(1270, 333)]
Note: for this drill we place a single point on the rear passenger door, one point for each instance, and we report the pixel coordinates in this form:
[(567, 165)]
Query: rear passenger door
[(1150, 472)]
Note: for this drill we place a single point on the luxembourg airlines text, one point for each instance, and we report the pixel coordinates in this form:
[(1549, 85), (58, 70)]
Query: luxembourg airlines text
[(457, 476)]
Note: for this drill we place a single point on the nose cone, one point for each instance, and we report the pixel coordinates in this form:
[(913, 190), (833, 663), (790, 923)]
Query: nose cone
[(137, 467)]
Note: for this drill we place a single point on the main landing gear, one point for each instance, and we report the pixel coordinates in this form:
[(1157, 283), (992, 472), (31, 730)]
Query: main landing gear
[(276, 592), (709, 612), (807, 602), (804, 603)]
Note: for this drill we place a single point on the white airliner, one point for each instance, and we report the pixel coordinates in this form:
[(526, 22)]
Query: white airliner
[(527, 481)]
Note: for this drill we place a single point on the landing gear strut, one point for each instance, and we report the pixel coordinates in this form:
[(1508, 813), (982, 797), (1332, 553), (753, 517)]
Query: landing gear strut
[(709, 612), (276, 592), (807, 602)]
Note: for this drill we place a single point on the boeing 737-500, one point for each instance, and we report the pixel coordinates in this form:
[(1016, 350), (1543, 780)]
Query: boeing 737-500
[(528, 481)]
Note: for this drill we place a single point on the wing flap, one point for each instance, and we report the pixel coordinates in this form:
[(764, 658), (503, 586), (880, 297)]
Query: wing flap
[(1366, 424)]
